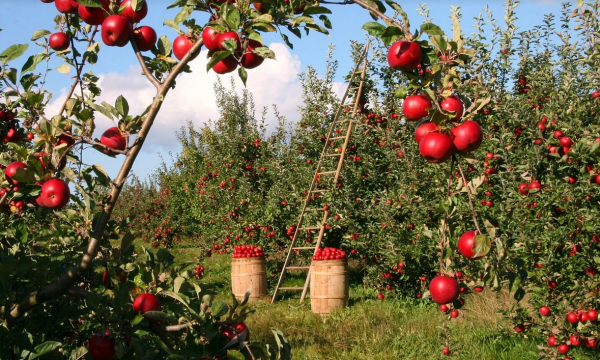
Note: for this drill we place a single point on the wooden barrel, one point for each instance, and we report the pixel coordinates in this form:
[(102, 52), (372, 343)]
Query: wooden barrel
[(328, 286), (249, 272)]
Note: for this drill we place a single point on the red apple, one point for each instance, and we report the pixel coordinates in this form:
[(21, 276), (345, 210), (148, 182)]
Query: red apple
[(467, 137), (523, 188), (262, 8), (116, 30), (94, 15), (66, 6), (12, 135), (443, 289), (535, 185), (404, 55), (55, 194), (227, 36), (146, 302), (134, 16), (101, 347), (114, 139), (59, 41), (465, 245), (563, 348), (182, 45), (591, 343), (145, 38), (544, 311), (424, 128), (575, 340), (436, 147), (65, 138), (596, 94), (565, 141), (415, 107), (558, 134), (552, 341), (250, 60), (572, 318), (225, 66), (592, 315), (11, 170), (210, 38), (453, 104)]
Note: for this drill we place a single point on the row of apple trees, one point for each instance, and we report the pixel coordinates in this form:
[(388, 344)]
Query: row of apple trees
[(530, 188)]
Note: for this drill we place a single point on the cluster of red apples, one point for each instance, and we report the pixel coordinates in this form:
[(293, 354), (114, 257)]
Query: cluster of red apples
[(329, 253), (117, 30), (435, 145), (247, 251)]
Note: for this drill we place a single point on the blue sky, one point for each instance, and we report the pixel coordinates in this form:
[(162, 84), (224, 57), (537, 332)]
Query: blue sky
[(273, 82)]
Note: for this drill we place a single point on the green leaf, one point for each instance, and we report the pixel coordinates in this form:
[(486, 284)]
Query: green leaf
[(439, 42), (219, 308), (232, 17), (481, 245), (102, 175), (39, 34), (218, 56), (391, 34), (102, 110), (164, 46), (33, 61), (122, 106), (137, 4), (177, 283), (137, 319), (79, 353), (243, 74), (64, 69), (374, 28), (312, 10), (431, 29), (13, 52), (91, 3), (24, 175), (173, 25), (45, 348)]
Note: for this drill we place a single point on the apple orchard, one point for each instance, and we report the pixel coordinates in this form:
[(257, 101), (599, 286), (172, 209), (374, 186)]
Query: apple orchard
[(473, 164)]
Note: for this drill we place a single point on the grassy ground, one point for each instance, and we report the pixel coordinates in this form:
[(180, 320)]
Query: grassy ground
[(381, 330), (371, 329)]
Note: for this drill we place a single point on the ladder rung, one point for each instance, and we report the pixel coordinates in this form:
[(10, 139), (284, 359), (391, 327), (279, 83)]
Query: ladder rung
[(331, 155), (319, 191), (337, 138), (291, 288), (327, 172), (297, 268), (304, 248), (311, 228)]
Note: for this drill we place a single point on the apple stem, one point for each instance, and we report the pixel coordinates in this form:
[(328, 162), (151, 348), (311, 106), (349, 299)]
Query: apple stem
[(462, 174)]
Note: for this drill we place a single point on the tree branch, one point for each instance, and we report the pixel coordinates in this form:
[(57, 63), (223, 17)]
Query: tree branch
[(407, 35), (84, 293), (70, 277), (469, 194), (145, 69)]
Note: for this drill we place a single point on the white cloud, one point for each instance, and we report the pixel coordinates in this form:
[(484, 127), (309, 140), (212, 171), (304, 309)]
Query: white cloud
[(274, 82)]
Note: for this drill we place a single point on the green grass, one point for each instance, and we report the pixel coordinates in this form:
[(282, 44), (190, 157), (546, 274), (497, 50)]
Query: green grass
[(370, 329)]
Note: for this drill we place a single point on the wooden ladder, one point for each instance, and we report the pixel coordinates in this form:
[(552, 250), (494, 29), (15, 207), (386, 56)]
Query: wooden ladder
[(331, 138)]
